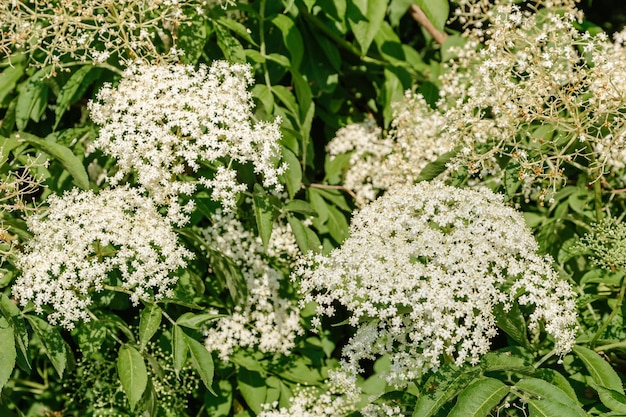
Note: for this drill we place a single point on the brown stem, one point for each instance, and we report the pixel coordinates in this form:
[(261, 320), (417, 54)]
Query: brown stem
[(422, 19)]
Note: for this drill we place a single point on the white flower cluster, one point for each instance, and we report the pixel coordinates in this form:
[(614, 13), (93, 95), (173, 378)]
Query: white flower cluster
[(267, 320), (92, 31), (539, 92), (378, 162), (85, 241), (167, 121), (422, 272)]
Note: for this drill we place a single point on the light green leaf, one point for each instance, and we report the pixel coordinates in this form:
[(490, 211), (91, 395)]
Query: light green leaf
[(544, 390), (149, 323), (549, 408), (52, 341), (436, 10), (8, 353), (263, 213), (195, 321), (132, 372), (479, 398), (365, 18), (306, 239), (64, 155), (337, 224), (299, 206), (614, 400), (601, 371), (14, 317), (202, 360)]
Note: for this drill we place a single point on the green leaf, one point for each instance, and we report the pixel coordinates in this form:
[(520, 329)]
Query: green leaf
[(544, 390), (14, 317), (193, 36), (436, 10), (179, 348), (263, 213), (612, 399), (9, 78), (299, 206), (337, 224), (433, 169), (448, 382), (8, 353), (202, 360), (291, 38), (195, 321), (74, 89), (64, 155), (53, 343), (149, 323), (229, 273), (601, 371), (479, 398), (230, 46), (365, 18), (253, 388), (513, 323), (32, 99), (220, 405), (306, 238), (549, 408), (132, 372)]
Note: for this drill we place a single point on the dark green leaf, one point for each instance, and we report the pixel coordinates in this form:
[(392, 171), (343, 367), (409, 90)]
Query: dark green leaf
[(132, 372), (253, 388), (448, 382), (479, 398), (179, 348), (299, 206), (544, 390), (365, 18), (433, 169), (74, 89), (32, 99), (513, 323), (291, 38), (307, 239), (9, 78), (549, 408), (14, 316)]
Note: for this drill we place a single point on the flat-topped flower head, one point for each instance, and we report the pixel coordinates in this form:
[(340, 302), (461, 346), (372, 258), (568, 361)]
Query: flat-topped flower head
[(85, 241), (422, 272), (164, 122)]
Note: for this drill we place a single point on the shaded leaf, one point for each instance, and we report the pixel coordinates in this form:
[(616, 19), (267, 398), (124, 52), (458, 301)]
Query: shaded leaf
[(8, 353), (479, 398)]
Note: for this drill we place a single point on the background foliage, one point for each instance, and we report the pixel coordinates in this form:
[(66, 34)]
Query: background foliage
[(319, 65)]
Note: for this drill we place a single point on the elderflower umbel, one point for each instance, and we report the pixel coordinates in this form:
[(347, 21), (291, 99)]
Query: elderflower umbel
[(85, 241), (167, 121), (422, 272), (265, 320), (92, 31)]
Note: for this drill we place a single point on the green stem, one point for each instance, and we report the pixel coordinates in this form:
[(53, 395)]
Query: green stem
[(610, 346), (262, 49), (543, 359), (618, 306)]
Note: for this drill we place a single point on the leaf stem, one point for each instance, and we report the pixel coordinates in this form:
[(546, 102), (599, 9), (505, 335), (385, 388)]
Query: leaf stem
[(420, 17)]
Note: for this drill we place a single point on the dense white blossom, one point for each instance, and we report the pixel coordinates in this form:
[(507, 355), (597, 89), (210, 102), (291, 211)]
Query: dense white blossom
[(266, 320), (164, 122), (85, 241), (421, 273)]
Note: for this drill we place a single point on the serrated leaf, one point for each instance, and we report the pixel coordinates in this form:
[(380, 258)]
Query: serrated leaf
[(544, 390), (479, 398), (263, 213), (8, 354), (601, 371), (202, 360), (149, 323), (52, 341), (612, 399), (549, 408), (448, 382), (61, 153), (132, 372)]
